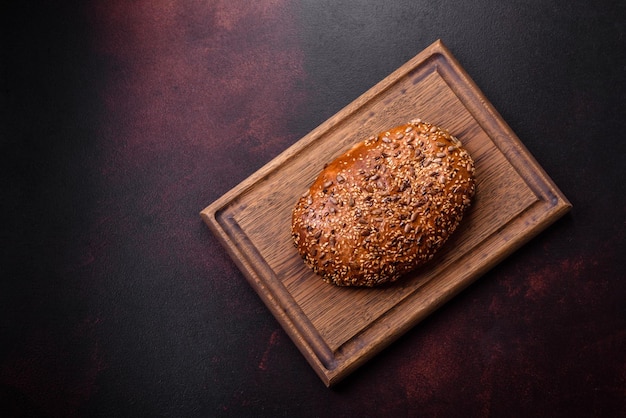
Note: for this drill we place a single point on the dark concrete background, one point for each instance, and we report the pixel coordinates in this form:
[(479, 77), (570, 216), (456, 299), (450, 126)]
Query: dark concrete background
[(120, 121)]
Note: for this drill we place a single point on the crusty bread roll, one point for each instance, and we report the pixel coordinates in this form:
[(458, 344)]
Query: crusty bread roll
[(385, 206)]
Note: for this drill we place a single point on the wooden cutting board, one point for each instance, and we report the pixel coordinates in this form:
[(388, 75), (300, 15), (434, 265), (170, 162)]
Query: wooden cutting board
[(339, 329)]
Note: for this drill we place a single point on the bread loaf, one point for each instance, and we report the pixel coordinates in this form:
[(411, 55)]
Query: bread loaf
[(385, 206)]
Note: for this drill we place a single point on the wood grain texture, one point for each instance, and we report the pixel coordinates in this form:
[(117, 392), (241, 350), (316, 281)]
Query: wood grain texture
[(338, 329)]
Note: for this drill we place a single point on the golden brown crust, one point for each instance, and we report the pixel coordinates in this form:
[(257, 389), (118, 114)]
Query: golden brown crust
[(384, 207)]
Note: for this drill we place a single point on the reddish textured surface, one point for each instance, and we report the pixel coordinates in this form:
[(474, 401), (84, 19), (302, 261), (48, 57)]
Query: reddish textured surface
[(122, 120)]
